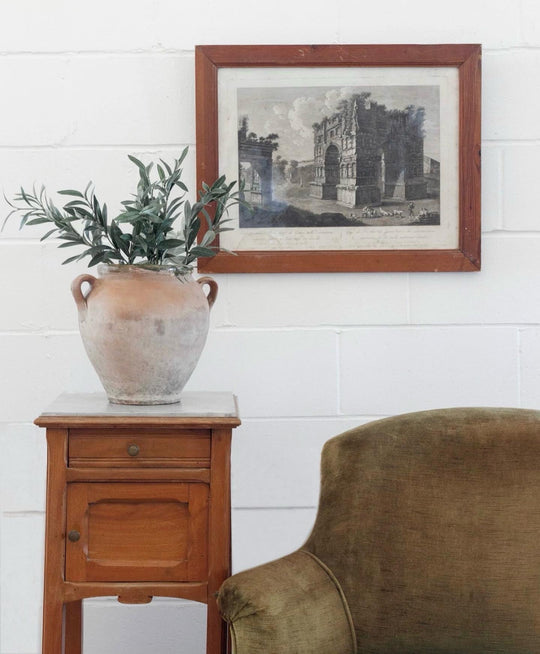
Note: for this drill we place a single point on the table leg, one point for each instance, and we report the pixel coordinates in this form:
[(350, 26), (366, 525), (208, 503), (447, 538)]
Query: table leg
[(219, 550), (53, 613), (55, 525), (73, 627), (216, 629)]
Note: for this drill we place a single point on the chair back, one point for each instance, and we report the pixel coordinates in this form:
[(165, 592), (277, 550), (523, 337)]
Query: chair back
[(430, 521)]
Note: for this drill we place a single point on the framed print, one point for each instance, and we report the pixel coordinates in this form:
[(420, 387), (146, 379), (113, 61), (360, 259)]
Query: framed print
[(352, 157)]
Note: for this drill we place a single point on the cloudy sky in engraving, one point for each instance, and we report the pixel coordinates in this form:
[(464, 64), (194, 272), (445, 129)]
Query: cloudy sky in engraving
[(291, 111)]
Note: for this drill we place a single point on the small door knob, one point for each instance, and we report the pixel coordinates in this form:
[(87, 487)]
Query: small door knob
[(74, 535), (133, 449)]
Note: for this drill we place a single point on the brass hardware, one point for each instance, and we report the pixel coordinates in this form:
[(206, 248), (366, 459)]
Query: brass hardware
[(74, 535), (133, 450)]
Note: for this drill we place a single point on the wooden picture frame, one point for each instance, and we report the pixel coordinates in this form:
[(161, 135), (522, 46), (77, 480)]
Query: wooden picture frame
[(455, 70)]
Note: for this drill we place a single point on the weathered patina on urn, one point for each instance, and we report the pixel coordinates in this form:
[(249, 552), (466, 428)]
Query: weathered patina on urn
[(144, 329)]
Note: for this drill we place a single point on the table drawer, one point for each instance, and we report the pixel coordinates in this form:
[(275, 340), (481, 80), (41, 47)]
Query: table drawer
[(126, 448)]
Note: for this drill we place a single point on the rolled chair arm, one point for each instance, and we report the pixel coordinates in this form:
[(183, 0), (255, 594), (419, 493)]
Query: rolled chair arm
[(290, 606)]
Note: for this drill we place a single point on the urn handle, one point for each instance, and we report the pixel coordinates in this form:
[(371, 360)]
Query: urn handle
[(80, 299), (212, 295)]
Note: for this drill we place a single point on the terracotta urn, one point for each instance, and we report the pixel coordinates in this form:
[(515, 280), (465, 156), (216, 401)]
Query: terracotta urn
[(143, 328)]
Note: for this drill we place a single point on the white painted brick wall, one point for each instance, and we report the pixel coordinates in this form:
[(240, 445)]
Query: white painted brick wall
[(164, 626), (288, 300), (108, 167), (520, 161), (491, 187), (495, 23), (296, 370), (510, 101), (264, 534), (530, 366), (392, 370), (308, 355), (286, 453), (530, 22), (506, 291)]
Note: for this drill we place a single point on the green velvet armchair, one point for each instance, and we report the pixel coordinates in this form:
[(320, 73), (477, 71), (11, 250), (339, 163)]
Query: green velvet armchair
[(427, 541)]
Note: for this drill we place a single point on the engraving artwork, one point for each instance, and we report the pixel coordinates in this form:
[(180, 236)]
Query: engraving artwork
[(339, 157)]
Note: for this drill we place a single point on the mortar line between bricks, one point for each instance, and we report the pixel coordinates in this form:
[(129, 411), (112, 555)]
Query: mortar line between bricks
[(339, 417), (100, 54), (501, 157), (486, 141), (55, 332), (511, 48), (342, 417), (52, 244), (156, 51), (338, 373), (499, 232), (510, 234), (408, 298), (369, 326), (521, 11), (519, 366), (308, 328), (52, 147)]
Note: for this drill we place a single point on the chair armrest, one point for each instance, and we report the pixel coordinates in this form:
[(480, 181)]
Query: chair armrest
[(290, 606)]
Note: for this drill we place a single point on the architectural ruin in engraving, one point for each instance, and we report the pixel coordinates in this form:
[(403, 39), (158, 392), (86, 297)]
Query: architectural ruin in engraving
[(255, 165), (365, 152)]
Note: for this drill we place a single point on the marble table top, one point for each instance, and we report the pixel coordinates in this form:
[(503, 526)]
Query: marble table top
[(205, 404)]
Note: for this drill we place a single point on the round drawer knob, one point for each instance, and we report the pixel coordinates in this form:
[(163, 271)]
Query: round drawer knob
[(133, 450), (74, 535)]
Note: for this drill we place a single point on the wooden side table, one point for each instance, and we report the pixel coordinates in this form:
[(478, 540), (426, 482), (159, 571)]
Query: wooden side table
[(138, 504)]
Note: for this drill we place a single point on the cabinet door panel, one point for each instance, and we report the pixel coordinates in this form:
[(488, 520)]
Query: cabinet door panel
[(137, 532)]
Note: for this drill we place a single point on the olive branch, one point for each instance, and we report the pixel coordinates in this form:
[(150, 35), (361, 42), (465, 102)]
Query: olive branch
[(144, 231)]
